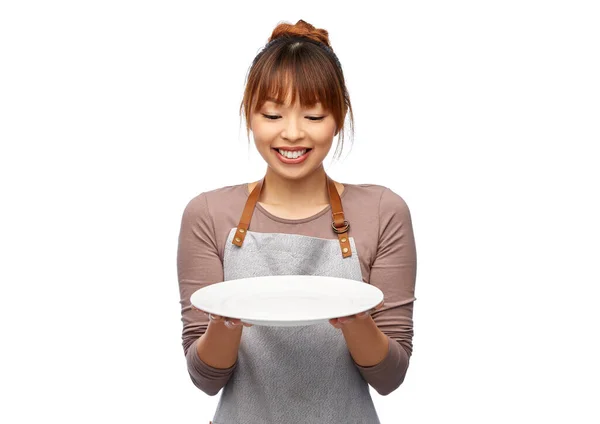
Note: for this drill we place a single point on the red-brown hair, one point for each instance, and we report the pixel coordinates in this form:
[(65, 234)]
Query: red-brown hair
[(298, 57)]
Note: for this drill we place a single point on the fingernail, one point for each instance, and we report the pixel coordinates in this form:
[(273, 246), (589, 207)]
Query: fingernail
[(230, 324)]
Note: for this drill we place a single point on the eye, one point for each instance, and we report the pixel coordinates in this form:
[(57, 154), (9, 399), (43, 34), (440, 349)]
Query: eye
[(310, 118)]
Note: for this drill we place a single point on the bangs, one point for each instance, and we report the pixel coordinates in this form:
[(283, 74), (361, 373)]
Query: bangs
[(302, 77)]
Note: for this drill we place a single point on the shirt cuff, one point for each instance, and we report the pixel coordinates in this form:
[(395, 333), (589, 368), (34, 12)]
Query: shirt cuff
[(206, 377), (386, 375)]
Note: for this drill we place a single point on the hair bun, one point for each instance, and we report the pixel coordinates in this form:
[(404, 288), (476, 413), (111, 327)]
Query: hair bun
[(301, 29)]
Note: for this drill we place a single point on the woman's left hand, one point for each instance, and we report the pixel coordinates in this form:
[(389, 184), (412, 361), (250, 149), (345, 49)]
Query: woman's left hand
[(342, 321)]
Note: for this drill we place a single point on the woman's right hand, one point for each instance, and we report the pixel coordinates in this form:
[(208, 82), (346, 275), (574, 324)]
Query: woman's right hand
[(230, 323)]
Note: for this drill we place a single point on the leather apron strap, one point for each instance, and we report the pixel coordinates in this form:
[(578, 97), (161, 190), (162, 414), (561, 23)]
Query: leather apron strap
[(339, 224)]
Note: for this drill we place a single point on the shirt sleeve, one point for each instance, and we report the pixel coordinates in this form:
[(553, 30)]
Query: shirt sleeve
[(394, 272), (198, 265)]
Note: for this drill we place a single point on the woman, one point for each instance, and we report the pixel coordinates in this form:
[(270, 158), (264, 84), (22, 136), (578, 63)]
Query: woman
[(296, 221)]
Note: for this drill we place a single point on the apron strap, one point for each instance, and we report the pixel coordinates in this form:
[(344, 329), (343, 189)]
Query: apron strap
[(339, 224), (242, 227)]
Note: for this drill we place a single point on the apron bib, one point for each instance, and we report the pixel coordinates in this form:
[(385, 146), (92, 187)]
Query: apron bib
[(293, 375)]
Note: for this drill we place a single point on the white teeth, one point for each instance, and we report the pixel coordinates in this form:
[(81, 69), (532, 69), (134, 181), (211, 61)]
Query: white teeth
[(292, 155)]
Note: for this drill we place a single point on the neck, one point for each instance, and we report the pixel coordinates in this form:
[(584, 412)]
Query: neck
[(310, 190)]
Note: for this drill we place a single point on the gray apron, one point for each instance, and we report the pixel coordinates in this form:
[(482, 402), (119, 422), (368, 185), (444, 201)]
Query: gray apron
[(293, 375)]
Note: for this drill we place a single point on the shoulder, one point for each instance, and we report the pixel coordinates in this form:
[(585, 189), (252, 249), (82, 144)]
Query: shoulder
[(212, 202), (384, 207), (384, 197)]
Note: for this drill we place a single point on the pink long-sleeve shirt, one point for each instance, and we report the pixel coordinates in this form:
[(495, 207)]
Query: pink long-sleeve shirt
[(382, 230)]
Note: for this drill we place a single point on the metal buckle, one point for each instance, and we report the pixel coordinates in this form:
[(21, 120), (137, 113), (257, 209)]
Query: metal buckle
[(343, 229)]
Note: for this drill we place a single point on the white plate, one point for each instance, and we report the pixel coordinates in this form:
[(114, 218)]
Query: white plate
[(287, 300)]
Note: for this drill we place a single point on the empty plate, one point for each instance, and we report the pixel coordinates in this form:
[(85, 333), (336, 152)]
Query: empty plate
[(287, 300)]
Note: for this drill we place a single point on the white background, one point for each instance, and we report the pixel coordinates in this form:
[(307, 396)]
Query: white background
[(483, 116)]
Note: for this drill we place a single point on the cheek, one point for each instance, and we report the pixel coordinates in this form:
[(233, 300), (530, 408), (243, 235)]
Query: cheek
[(324, 136), (261, 133), (328, 129), (267, 130)]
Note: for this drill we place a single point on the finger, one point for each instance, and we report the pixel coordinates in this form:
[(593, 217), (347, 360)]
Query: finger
[(345, 320), (233, 322), (335, 323), (214, 317), (363, 315)]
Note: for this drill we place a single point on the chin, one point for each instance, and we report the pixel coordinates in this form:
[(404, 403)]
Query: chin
[(294, 174)]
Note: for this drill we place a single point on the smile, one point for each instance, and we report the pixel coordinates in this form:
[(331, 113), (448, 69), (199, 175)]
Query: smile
[(292, 157)]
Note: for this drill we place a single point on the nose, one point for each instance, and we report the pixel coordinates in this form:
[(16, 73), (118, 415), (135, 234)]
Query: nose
[(292, 130)]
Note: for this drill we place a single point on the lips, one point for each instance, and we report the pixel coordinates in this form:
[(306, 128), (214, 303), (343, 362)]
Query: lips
[(297, 160)]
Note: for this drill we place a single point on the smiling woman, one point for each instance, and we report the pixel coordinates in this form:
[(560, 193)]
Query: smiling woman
[(297, 221), (298, 66)]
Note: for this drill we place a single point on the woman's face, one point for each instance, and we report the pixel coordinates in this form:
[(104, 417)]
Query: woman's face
[(293, 140)]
